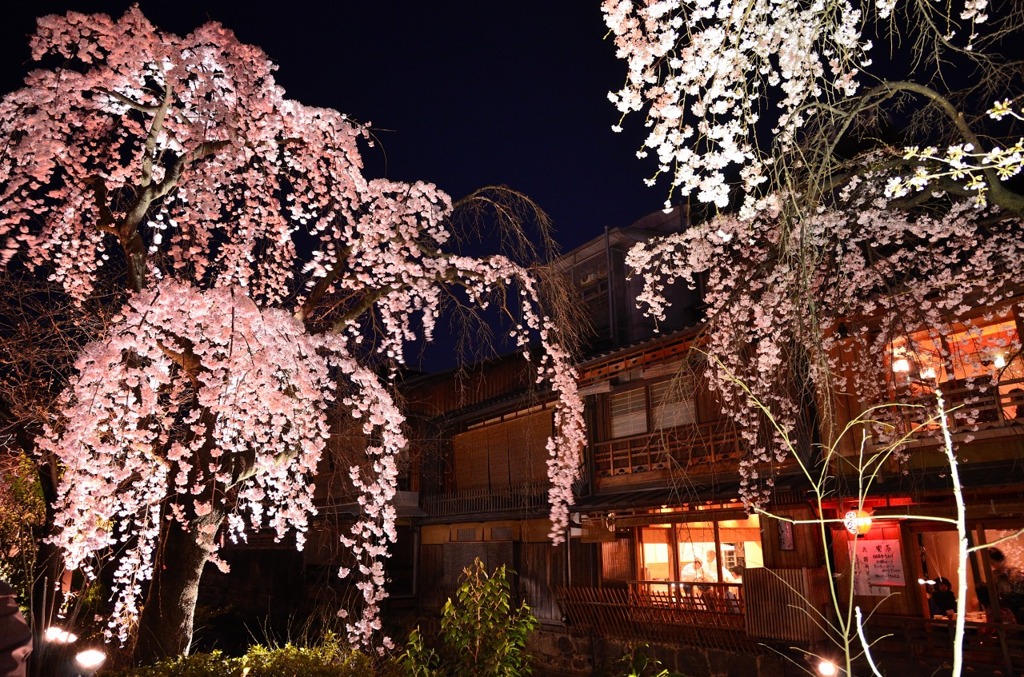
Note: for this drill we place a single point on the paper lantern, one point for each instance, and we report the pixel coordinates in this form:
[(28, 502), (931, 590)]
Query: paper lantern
[(857, 522)]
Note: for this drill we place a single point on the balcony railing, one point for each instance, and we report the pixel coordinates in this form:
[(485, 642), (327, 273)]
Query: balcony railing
[(662, 611), (993, 413), (692, 448), (522, 497), (707, 615)]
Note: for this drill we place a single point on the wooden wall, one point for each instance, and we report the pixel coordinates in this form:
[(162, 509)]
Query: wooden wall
[(808, 550), (536, 568)]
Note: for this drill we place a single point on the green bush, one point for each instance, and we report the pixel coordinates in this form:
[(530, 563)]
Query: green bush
[(637, 662), (481, 635), (212, 664), (329, 659)]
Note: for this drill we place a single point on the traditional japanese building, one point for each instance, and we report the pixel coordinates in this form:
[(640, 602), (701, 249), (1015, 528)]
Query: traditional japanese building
[(661, 549)]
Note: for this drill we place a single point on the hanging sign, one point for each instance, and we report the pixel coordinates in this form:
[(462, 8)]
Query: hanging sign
[(879, 563)]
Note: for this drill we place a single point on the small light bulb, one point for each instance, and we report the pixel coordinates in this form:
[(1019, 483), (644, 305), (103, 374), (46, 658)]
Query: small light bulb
[(828, 669), (901, 365), (999, 362)]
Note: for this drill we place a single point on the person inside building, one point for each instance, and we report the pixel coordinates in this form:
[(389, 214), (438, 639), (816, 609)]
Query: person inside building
[(1015, 400), (15, 635), (943, 601), (732, 592), (1009, 583)]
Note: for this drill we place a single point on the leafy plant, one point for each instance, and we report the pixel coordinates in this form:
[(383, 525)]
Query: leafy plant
[(418, 660), (329, 658), (637, 663), (481, 633)]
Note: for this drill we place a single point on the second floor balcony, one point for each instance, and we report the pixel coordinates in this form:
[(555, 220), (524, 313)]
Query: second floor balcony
[(513, 500), (694, 449)]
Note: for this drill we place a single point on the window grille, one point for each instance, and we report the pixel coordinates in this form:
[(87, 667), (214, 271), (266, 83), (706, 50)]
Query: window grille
[(629, 413), (672, 404)]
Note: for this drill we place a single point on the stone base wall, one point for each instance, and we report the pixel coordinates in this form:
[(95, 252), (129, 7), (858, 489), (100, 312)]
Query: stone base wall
[(558, 652)]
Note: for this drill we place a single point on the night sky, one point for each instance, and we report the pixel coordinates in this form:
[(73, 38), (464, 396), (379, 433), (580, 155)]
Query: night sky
[(460, 93)]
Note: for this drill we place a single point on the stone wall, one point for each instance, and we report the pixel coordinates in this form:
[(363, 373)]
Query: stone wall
[(558, 652)]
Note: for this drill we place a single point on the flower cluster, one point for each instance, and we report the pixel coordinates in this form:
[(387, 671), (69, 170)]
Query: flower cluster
[(197, 399), (188, 142), (711, 75), (962, 163), (701, 69), (870, 277)]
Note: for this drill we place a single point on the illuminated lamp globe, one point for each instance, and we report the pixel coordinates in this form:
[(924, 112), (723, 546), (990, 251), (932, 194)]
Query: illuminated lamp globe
[(827, 668), (857, 522)]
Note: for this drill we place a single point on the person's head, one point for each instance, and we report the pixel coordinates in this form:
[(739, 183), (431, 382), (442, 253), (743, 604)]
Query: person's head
[(943, 584), (697, 565), (710, 556), (736, 571), (997, 558)]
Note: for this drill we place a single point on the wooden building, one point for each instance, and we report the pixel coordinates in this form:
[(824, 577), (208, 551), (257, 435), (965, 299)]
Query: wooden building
[(661, 549)]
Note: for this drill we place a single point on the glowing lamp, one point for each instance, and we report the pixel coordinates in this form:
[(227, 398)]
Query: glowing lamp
[(901, 365), (928, 373), (857, 522), (59, 635), (999, 362), (827, 669), (90, 659)]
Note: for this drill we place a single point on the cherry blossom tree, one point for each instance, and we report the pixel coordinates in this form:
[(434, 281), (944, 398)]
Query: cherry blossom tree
[(860, 223), (751, 96), (254, 278), (852, 196)]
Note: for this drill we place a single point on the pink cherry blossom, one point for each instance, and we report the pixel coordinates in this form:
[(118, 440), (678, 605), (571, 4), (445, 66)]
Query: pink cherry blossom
[(263, 279)]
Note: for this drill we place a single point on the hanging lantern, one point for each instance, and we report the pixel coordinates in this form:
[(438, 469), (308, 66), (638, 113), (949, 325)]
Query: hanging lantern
[(857, 522)]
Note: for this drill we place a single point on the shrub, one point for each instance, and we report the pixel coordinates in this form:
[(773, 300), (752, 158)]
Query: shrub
[(480, 632), (636, 662), (328, 659)]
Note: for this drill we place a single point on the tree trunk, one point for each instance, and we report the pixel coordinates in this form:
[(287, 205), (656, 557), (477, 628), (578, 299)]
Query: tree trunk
[(165, 625)]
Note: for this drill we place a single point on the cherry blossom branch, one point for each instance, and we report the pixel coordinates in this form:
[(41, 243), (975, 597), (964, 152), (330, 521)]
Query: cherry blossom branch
[(131, 103), (156, 127)]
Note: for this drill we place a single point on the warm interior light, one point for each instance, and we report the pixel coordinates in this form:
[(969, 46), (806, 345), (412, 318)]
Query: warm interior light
[(90, 659), (999, 361), (828, 669), (928, 373), (925, 581), (901, 365), (58, 635), (857, 522)]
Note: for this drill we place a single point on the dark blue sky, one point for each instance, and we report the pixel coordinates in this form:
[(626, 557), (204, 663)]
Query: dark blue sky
[(461, 93)]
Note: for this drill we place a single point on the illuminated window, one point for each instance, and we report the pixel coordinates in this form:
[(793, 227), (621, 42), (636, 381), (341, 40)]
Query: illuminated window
[(978, 366), (695, 552)]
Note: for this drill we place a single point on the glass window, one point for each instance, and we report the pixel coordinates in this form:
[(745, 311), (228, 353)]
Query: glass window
[(628, 413), (672, 404), (966, 361), (695, 552), (1002, 563)]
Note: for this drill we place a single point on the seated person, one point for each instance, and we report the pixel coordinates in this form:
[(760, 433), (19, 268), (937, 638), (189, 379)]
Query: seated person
[(1005, 615), (943, 601)]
